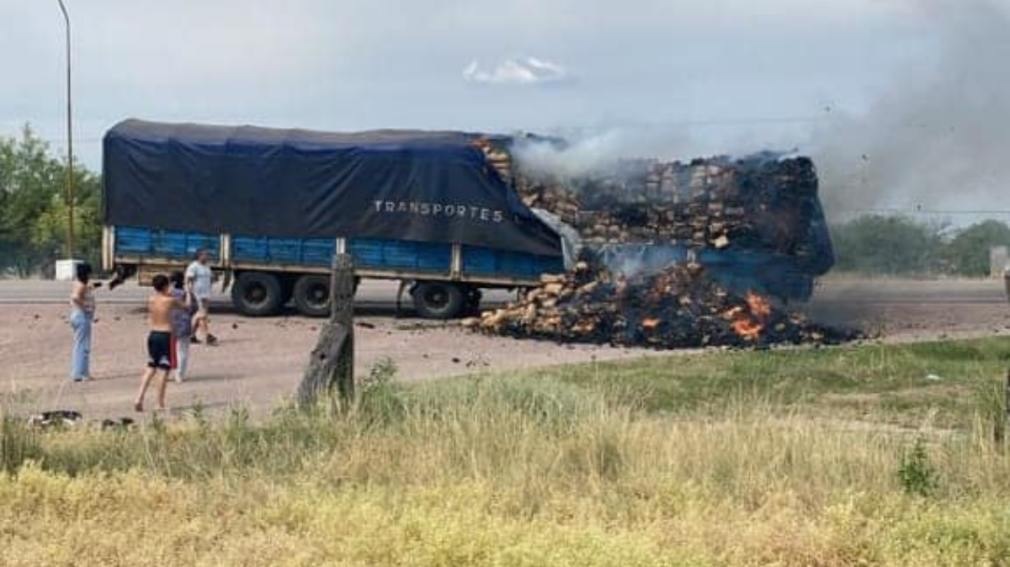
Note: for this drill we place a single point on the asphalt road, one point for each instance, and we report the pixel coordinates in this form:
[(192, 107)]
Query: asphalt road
[(910, 291), (381, 294), (889, 306), (373, 295)]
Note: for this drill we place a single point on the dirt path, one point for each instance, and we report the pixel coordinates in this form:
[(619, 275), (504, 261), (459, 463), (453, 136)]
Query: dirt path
[(257, 364), (259, 361)]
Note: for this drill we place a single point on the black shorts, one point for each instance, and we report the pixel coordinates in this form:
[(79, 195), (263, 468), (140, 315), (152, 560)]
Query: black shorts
[(159, 350)]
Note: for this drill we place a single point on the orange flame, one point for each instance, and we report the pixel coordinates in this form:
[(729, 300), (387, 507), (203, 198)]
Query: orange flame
[(750, 322), (748, 329), (759, 306)]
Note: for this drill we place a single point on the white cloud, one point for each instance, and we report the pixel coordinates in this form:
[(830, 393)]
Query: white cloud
[(526, 71)]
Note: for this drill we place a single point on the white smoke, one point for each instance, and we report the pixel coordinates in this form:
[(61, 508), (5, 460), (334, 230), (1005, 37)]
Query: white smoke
[(571, 158), (939, 137), (587, 152)]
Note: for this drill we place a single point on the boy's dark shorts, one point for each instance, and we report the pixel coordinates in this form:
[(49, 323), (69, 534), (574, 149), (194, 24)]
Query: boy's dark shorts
[(159, 350)]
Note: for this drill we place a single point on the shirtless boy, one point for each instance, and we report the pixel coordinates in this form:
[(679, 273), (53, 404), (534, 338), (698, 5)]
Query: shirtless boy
[(159, 341)]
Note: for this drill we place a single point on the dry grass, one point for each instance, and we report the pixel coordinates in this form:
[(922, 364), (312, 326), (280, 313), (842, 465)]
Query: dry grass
[(524, 470)]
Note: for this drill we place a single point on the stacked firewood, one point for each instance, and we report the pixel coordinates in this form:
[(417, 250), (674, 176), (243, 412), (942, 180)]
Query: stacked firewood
[(499, 159), (760, 202), (676, 307)]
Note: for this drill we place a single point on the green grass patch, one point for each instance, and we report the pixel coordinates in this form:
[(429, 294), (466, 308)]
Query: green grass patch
[(805, 457), (900, 384)]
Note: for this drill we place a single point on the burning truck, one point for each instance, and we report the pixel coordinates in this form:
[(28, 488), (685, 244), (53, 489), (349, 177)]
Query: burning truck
[(667, 254), (672, 254)]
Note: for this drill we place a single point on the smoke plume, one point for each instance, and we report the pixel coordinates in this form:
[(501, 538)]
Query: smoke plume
[(596, 151), (939, 137)]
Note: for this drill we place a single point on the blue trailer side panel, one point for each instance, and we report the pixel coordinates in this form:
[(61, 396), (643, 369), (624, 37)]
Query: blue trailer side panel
[(737, 270), (480, 261), (132, 241), (368, 253), (287, 251), (401, 255)]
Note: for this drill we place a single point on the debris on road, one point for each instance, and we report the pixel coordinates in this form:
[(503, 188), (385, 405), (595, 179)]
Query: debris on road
[(123, 423), (56, 418), (676, 307)]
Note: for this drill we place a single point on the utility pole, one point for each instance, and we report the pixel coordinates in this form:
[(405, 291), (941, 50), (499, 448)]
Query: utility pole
[(70, 147)]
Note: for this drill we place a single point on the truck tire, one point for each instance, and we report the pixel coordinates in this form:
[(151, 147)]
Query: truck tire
[(312, 295), (257, 294), (438, 300)]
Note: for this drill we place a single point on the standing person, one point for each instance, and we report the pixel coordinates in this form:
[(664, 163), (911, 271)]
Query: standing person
[(201, 278), (159, 341), (182, 327), (82, 314)]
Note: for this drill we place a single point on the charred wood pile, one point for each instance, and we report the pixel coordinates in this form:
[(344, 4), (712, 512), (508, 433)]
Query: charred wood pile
[(760, 202), (677, 307)]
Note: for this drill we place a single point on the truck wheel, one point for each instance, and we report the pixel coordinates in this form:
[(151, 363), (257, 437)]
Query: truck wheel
[(312, 295), (257, 294), (438, 300)]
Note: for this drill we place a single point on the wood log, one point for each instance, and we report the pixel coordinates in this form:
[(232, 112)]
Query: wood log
[(553, 289), (331, 364)]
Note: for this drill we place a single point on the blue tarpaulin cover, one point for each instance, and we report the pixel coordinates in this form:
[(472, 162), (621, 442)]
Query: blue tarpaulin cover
[(409, 185)]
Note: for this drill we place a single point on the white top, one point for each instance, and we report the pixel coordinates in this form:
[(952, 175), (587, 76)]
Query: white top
[(203, 279), (87, 299)]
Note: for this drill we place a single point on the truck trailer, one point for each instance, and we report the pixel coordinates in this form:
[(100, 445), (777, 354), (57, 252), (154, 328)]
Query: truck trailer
[(272, 206), (443, 211)]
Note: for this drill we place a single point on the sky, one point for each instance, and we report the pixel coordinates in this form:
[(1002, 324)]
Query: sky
[(663, 78)]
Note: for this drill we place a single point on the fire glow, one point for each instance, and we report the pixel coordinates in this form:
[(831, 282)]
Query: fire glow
[(748, 322)]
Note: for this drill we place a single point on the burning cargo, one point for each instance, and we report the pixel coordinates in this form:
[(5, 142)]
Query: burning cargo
[(676, 254), (755, 223), (678, 306)]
